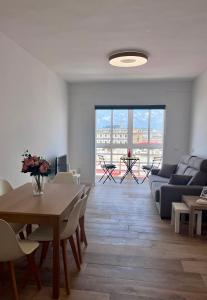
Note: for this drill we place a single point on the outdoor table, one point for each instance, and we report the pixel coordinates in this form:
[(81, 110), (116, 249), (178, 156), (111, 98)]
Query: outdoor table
[(129, 162)]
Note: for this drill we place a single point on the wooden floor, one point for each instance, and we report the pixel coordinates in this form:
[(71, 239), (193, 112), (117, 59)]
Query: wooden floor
[(132, 254)]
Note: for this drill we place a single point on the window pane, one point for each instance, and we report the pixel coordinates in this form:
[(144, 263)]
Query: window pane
[(103, 126), (156, 127), (120, 126), (117, 153), (140, 126)]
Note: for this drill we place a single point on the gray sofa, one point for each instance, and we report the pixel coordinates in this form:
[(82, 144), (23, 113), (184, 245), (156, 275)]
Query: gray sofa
[(164, 193)]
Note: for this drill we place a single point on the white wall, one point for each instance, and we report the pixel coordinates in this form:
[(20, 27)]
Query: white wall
[(84, 96), (33, 110), (199, 117)]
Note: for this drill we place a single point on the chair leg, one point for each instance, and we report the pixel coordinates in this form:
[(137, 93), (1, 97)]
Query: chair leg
[(64, 254), (34, 270), (45, 246), (101, 178), (146, 176), (75, 255), (13, 280), (83, 233), (78, 244), (111, 176), (105, 173)]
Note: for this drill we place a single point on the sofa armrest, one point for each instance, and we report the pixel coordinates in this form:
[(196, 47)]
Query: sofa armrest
[(173, 193)]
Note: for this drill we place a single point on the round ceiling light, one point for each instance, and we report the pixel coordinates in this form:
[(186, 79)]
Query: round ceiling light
[(128, 59)]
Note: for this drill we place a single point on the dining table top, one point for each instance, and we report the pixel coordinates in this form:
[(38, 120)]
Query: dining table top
[(56, 198)]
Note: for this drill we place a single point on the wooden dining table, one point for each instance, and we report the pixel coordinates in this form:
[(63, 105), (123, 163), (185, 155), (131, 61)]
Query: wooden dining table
[(20, 206)]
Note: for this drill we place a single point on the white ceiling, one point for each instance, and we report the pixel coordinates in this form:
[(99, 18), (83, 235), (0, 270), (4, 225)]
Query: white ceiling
[(74, 37)]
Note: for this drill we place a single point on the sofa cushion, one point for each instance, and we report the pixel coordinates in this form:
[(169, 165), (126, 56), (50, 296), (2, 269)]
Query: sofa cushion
[(191, 171), (181, 168), (179, 179), (183, 164), (156, 178), (167, 170), (200, 178), (195, 162)]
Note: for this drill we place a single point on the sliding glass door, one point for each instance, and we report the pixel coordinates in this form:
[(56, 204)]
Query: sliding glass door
[(141, 130), (148, 134)]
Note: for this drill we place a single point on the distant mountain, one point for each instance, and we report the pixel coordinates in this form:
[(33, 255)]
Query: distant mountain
[(120, 118)]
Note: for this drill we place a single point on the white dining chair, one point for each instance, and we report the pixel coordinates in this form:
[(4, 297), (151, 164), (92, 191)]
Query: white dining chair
[(82, 216), (44, 234), (76, 175), (64, 177), (12, 249), (5, 187)]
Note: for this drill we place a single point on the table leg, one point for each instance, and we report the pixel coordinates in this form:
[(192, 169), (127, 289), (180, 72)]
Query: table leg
[(124, 176), (56, 259), (191, 222), (132, 173), (133, 176)]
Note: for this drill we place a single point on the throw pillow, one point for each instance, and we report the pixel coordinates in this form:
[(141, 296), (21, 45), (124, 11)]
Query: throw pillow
[(167, 170), (179, 179), (199, 179)]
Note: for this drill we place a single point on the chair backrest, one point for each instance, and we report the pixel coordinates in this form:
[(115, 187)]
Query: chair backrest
[(73, 219), (156, 162), (85, 199), (10, 248), (5, 187), (101, 158), (63, 177), (102, 162)]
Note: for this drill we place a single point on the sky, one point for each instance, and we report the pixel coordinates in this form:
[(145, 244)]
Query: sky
[(120, 118)]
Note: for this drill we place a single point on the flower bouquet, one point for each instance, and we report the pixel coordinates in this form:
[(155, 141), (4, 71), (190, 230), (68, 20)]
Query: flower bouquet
[(38, 168)]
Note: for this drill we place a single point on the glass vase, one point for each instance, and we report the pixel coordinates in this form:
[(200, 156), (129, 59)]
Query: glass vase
[(38, 185)]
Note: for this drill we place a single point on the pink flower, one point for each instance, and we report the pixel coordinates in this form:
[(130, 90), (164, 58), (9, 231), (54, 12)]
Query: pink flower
[(35, 165), (24, 168), (44, 167), (29, 162), (36, 160)]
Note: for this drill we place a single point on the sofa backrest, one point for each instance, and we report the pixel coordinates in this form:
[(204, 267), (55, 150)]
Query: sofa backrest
[(200, 178), (183, 164), (193, 166)]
